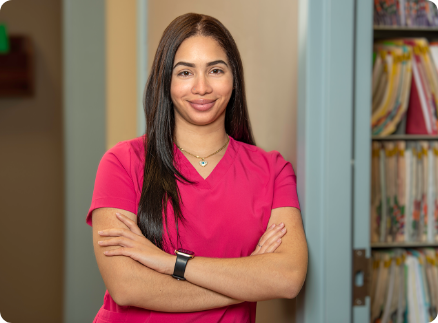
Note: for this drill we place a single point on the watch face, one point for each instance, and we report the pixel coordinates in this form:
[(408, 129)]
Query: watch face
[(187, 252)]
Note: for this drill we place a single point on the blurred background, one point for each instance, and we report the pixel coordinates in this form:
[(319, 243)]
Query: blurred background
[(346, 90)]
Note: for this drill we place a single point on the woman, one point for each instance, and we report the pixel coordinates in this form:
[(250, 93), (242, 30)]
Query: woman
[(195, 181)]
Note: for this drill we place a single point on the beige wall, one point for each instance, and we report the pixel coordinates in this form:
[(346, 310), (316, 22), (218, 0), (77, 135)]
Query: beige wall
[(31, 174), (121, 69)]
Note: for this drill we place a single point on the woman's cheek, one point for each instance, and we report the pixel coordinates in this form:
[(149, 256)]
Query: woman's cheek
[(180, 89), (225, 86)]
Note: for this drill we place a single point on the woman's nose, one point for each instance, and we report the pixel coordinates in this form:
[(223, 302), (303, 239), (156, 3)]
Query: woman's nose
[(201, 86)]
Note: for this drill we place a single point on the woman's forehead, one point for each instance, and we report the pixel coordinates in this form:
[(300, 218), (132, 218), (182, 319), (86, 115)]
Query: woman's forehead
[(200, 49)]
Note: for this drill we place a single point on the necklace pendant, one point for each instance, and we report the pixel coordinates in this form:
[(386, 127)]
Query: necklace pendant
[(203, 163)]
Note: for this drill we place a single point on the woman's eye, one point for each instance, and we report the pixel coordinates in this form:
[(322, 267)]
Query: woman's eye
[(184, 73), (217, 71)]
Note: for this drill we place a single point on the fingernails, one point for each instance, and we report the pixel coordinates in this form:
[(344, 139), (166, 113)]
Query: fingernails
[(284, 230), (100, 232), (279, 240), (119, 215), (273, 225), (99, 242), (281, 224)]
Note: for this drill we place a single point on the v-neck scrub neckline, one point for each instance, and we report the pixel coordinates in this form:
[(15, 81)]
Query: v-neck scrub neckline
[(216, 174), (224, 215)]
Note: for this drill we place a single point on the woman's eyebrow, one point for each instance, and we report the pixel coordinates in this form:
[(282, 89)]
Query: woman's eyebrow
[(219, 61)]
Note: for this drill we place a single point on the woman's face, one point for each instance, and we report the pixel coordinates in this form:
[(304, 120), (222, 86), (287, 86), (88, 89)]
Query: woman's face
[(202, 81)]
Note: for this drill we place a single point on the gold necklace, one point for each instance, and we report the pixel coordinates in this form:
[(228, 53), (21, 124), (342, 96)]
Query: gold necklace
[(203, 162)]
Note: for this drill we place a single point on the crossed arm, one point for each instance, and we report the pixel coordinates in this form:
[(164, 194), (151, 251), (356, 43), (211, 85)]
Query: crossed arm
[(211, 282)]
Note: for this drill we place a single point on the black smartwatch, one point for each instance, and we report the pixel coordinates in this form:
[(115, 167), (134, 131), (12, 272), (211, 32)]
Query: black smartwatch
[(182, 256)]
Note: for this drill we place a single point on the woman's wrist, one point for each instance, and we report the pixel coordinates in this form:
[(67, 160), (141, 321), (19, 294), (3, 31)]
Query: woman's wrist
[(170, 265)]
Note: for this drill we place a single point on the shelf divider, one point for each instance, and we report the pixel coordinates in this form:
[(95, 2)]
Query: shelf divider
[(405, 137), (382, 32), (412, 244)]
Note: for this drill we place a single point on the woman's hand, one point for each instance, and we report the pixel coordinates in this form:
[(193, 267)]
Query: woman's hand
[(135, 245), (270, 240)]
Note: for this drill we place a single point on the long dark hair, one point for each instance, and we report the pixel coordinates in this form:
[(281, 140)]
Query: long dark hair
[(160, 174)]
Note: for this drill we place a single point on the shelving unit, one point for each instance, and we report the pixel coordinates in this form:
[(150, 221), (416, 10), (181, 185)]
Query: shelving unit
[(422, 244), (389, 32)]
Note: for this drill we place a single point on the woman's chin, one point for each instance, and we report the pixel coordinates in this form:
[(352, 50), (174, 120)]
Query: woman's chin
[(202, 120)]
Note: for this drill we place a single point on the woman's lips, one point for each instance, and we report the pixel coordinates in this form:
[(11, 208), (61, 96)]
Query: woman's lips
[(202, 104)]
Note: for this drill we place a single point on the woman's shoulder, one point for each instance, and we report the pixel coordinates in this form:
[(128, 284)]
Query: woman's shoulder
[(256, 153), (268, 162), (127, 151)]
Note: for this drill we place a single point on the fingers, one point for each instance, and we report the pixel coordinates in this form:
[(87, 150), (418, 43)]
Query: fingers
[(269, 240), (117, 252), (259, 246), (122, 237), (265, 235), (118, 241), (272, 247), (274, 240), (270, 233), (118, 232), (130, 224)]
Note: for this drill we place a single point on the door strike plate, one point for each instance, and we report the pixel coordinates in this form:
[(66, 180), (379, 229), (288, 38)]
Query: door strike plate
[(361, 277)]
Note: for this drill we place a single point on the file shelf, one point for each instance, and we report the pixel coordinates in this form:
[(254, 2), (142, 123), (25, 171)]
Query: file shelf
[(393, 32), (394, 263)]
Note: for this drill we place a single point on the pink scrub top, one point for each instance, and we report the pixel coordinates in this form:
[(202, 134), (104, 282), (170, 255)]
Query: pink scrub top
[(225, 214)]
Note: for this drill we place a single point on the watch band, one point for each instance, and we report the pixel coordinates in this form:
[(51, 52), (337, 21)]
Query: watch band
[(180, 267)]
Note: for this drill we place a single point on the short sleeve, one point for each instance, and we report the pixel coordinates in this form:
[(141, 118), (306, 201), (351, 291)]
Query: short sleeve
[(113, 186), (285, 183)]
